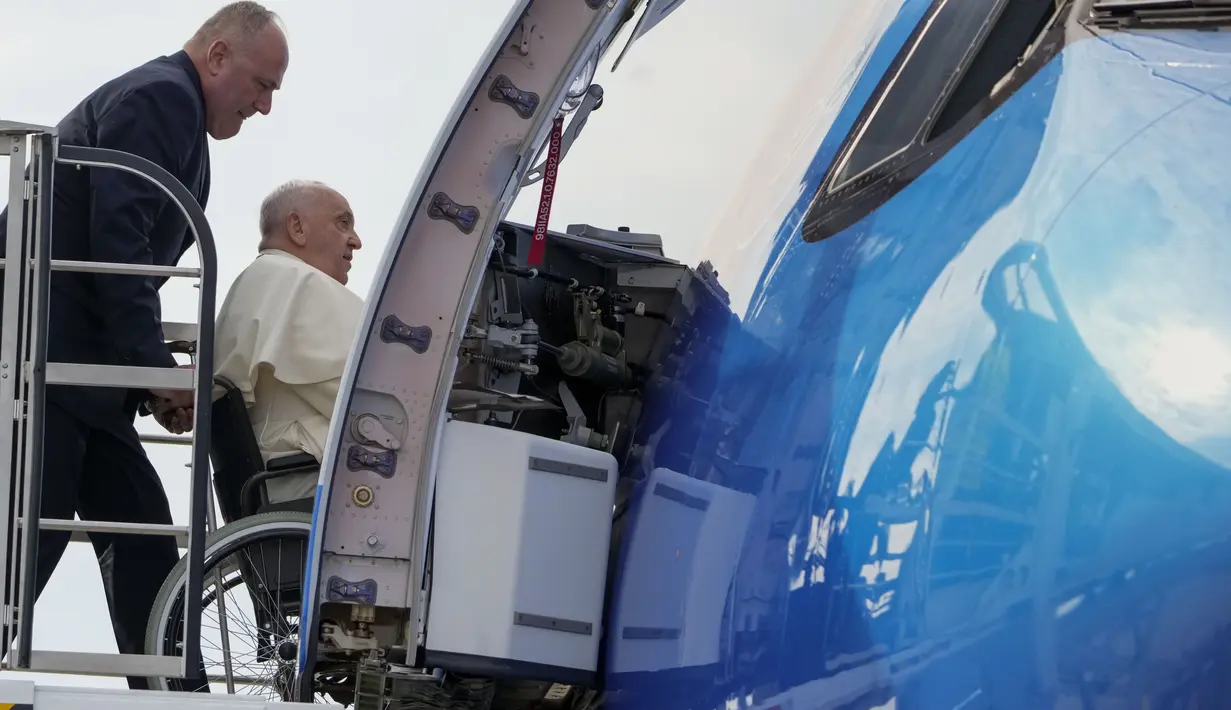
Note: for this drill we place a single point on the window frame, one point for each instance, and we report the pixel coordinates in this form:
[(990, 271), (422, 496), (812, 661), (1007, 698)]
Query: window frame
[(862, 192), (872, 108)]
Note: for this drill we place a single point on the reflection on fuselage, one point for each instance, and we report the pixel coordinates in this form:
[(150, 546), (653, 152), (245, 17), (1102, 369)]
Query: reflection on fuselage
[(953, 456)]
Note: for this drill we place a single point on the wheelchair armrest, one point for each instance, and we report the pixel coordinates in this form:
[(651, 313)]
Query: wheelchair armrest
[(183, 347), (283, 464), (301, 505), (276, 468)]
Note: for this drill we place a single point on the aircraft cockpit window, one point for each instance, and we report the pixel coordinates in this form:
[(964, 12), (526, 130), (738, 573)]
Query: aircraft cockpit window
[(1013, 35), (951, 65), (933, 60)]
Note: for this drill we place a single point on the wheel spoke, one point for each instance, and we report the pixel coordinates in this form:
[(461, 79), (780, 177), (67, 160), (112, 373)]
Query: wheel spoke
[(254, 569)]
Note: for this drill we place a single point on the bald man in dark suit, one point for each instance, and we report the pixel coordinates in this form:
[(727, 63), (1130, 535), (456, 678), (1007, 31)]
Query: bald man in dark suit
[(93, 462)]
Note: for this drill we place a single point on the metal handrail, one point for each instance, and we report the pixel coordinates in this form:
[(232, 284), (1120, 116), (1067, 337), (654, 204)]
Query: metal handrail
[(102, 158), (38, 372)]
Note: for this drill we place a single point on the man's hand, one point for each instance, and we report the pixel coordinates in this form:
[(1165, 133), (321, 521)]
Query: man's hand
[(178, 421), (173, 408)]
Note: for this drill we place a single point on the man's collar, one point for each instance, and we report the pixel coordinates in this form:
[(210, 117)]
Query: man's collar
[(279, 252), (181, 58), (288, 255)]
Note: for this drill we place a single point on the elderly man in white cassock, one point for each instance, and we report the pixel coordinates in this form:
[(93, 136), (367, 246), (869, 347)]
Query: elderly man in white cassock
[(285, 329)]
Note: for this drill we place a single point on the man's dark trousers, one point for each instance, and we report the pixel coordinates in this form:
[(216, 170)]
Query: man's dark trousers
[(105, 475)]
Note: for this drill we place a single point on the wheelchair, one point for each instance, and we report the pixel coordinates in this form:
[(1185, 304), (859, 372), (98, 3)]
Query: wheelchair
[(262, 545)]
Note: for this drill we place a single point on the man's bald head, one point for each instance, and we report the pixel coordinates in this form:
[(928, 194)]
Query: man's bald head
[(237, 22), (312, 221), (240, 54)]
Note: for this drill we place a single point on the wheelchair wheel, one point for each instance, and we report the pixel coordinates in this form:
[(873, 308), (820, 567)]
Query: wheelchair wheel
[(253, 572)]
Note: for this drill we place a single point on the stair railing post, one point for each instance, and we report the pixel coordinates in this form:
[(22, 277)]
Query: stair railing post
[(13, 141), (42, 180)]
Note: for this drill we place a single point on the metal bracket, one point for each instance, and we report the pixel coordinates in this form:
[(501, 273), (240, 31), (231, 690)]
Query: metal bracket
[(592, 102)]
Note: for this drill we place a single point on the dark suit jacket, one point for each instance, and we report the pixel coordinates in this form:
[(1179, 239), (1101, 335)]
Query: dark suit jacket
[(156, 111)]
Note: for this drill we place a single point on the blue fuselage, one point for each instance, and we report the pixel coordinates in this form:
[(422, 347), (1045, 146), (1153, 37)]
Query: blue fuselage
[(971, 448)]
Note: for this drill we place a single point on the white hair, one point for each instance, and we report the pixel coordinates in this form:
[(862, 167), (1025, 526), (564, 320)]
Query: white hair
[(286, 198)]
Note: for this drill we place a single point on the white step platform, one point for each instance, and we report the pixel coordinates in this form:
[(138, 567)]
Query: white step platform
[(25, 695)]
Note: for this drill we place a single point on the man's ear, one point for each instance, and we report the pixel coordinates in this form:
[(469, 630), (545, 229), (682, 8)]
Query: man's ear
[(217, 54), (295, 229)]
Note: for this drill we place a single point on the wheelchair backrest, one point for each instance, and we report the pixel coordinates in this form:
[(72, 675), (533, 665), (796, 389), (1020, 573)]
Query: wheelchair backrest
[(233, 449)]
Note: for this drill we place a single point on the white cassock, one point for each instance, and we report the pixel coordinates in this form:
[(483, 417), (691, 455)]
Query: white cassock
[(282, 337)]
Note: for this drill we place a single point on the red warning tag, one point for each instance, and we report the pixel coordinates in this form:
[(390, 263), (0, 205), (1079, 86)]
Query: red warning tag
[(539, 243)]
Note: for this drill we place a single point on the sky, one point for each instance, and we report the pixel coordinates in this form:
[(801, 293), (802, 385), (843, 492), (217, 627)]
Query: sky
[(683, 121)]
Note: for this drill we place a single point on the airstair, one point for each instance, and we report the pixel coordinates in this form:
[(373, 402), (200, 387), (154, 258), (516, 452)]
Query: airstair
[(34, 155), (24, 373)]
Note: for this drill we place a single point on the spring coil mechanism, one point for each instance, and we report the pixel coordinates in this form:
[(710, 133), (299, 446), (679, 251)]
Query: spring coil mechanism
[(502, 363)]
